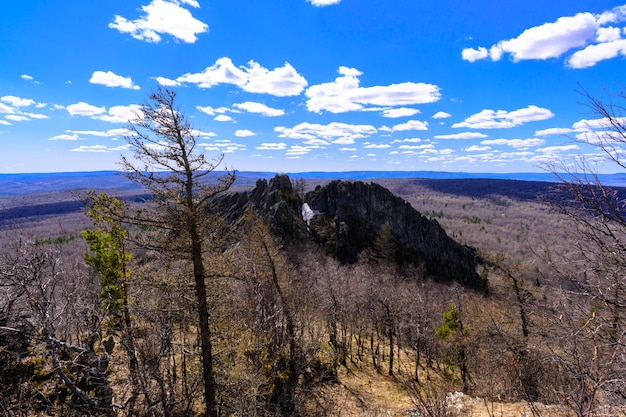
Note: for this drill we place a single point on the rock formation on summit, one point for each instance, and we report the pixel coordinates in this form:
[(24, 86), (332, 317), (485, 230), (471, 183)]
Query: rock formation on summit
[(349, 217)]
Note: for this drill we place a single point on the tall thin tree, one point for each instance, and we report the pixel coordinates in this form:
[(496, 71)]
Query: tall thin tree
[(169, 164)]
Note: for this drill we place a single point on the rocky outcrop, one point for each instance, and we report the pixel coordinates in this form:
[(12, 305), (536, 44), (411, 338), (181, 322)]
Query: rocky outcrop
[(350, 218), (358, 211)]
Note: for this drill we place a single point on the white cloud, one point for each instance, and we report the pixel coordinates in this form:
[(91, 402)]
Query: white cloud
[(111, 79), (65, 136), (472, 55), (608, 34), (108, 133), (192, 3), (222, 118), (116, 114), (244, 133), (260, 108), (376, 145), (166, 82), (476, 148), (549, 40), (554, 131), (322, 3), (492, 119), (400, 112), (514, 143), (426, 146), (271, 146), (35, 115), (602, 123), (344, 94), (92, 148), (299, 150), (407, 140), (617, 14), (552, 40), (199, 133), (17, 101), (16, 117), (29, 78), (162, 17), (121, 114), (441, 115), (212, 111), (283, 81), (464, 135), (557, 149), (6, 109), (593, 54), (340, 133), (410, 125), (84, 109), (227, 146), (4, 123)]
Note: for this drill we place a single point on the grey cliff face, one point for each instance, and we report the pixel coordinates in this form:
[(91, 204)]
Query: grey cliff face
[(359, 210), (349, 219)]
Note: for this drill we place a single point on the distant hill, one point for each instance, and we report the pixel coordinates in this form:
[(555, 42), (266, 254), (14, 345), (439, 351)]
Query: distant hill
[(20, 184)]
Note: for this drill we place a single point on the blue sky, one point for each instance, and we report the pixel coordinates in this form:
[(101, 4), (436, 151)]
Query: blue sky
[(311, 85)]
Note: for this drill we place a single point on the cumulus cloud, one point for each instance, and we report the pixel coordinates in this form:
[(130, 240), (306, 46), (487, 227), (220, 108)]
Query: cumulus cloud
[(464, 135), (29, 78), (476, 148), (100, 148), (13, 110), (549, 40), (162, 17), (111, 79), (340, 133), (115, 114), (593, 54), (441, 115), (65, 136), (17, 101), (244, 133), (223, 118), (399, 112), (496, 119), (84, 109), (260, 108), (296, 151), (472, 55), (368, 145), (223, 146), (557, 149), (584, 32), (282, 81), (410, 125), (121, 114), (107, 133), (271, 146), (344, 94), (212, 111), (16, 117), (514, 143), (322, 3), (601, 123), (554, 131)]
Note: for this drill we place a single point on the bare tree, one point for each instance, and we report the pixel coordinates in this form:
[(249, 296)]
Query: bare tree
[(178, 220), (594, 308), (44, 288)]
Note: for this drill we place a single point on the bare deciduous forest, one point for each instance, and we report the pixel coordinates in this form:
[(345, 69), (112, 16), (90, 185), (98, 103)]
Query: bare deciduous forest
[(143, 306)]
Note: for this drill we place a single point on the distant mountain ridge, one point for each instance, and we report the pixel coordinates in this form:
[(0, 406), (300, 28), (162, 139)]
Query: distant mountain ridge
[(19, 184)]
